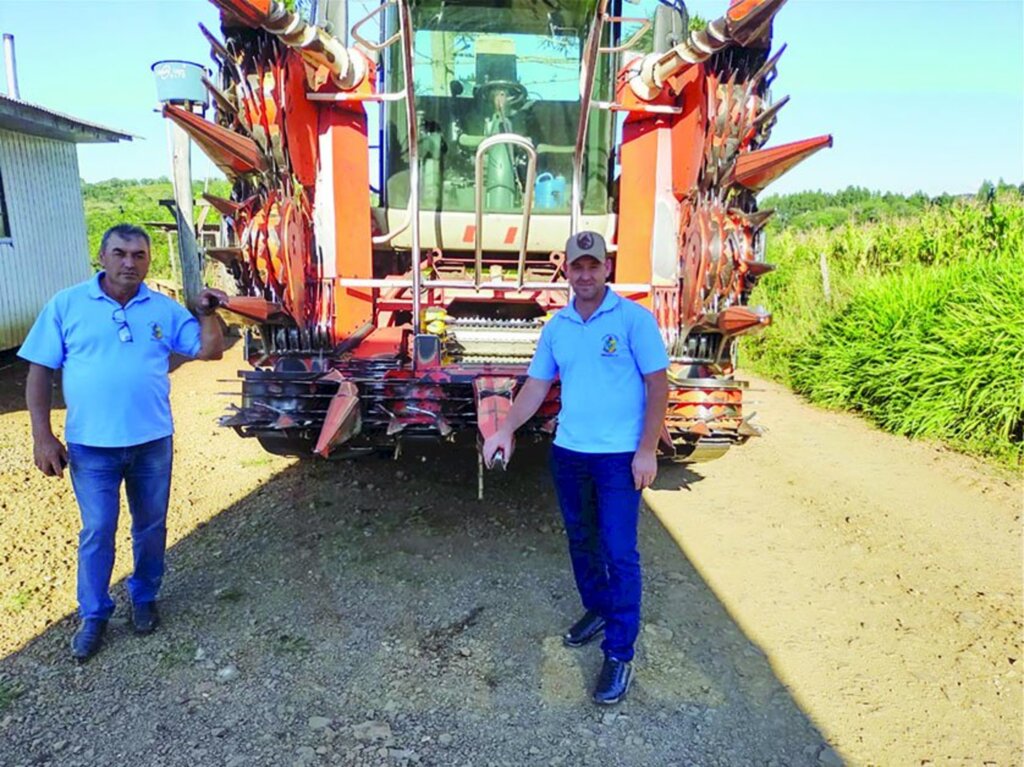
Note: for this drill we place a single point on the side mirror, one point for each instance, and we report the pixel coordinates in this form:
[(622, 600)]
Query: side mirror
[(455, 88)]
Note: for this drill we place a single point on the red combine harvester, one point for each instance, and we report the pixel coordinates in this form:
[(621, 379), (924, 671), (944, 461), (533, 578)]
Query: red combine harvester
[(494, 130)]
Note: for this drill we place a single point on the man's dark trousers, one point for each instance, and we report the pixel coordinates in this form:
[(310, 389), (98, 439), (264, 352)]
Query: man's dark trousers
[(600, 506)]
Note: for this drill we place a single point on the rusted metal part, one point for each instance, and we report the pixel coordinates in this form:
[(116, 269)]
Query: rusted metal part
[(250, 13), (745, 24), (232, 153), (254, 308), (217, 48), (704, 417), (737, 320), (342, 421), (318, 48), (759, 168), (494, 395), (365, 339), (421, 405), (228, 208)]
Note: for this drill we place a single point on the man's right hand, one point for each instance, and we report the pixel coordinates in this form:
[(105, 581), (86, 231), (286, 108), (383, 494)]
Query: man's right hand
[(50, 455), (500, 440)]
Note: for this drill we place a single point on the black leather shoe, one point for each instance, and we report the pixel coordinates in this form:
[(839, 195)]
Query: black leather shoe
[(586, 629), (145, 618), (87, 640), (613, 683)]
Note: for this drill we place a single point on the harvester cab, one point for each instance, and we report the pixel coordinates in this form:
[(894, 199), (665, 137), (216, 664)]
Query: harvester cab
[(402, 195), (482, 72)]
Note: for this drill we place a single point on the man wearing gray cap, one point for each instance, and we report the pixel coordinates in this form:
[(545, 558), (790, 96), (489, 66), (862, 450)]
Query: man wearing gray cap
[(610, 359)]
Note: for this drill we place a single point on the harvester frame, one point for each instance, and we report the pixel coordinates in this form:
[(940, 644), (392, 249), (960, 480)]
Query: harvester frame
[(415, 314)]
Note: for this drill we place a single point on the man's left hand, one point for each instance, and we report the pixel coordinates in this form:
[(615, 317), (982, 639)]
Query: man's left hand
[(645, 468), (208, 300)]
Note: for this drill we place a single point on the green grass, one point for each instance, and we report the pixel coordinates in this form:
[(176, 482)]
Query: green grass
[(925, 330), (229, 594), (177, 655), (286, 644), (250, 463), (9, 692), (137, 202), (19, 601)]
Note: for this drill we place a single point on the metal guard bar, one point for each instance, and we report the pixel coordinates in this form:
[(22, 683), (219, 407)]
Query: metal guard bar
[(405, 27), (590, 52), (531, 174), (357, 282)]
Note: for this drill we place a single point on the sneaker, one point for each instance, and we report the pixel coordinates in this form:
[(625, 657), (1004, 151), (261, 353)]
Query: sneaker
[(613, 682), (145, 618), (585, 630), (87, 640)]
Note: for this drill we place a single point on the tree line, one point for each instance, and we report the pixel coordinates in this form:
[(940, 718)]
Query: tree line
[(856, 205)]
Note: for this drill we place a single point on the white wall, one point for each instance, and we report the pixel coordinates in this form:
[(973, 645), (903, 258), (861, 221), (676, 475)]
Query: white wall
[(48, 247)]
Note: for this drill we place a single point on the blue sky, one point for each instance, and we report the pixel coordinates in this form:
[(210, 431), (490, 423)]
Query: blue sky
[(919, 94)]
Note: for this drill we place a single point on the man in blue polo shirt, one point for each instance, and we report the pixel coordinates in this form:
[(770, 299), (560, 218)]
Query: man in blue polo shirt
[(112, 337), (611, 361)]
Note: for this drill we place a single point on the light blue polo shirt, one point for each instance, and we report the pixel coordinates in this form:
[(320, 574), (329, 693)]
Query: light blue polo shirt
[(601, 364), (117, 392)]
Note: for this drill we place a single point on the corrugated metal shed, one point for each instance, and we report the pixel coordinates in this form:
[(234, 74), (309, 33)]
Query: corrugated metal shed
[(23, 117), (46, 249)]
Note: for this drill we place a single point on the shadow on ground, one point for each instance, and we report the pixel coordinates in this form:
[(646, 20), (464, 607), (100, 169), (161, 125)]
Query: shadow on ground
[(13, 371), (374, 612)]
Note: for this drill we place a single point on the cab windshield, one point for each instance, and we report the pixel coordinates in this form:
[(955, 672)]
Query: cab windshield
[(480, 69)]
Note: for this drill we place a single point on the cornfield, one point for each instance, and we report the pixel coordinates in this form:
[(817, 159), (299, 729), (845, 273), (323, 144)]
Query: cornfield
[(924, 329)]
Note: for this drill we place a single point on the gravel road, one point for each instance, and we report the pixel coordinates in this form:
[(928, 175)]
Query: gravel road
[(375, 613)]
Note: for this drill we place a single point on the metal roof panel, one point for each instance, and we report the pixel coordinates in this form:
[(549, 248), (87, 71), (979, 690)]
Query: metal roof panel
[(23, 117)]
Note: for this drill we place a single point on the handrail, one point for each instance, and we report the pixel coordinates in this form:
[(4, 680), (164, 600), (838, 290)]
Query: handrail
[(591, 49), (405, 29), (654, 109), (531, 175), (355, 97), (384, 239), (645, 24), (366, 43), (403, 284)]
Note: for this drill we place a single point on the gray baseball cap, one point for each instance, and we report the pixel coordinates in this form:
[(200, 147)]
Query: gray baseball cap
[(585, 244)]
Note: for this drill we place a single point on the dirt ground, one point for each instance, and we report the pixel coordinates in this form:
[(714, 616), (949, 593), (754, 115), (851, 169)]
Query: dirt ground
[(827, 594)]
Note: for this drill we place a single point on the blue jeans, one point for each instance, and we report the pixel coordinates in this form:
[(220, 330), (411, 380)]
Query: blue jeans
[(96, 475), (601, 506)]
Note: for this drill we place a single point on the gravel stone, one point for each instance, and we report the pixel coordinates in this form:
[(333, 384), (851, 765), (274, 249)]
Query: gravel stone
[(372, 731), (227, 674), (387, 623), (319, 722)]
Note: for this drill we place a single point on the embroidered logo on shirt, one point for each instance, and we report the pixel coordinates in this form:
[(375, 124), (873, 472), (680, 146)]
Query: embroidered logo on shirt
[(156, 330), (610, 345)]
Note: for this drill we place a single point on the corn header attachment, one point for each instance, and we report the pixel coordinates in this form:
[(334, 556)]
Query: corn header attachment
[(403, 187)]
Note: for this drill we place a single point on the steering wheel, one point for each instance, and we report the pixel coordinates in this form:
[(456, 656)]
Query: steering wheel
[(517, 94)]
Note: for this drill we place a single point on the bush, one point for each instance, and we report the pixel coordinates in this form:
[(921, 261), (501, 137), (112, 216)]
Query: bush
[(924, 332), (929, 352), (136, 202)]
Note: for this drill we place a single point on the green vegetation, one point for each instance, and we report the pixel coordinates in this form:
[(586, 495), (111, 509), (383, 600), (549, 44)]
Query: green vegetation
[(286, 644), (251, 463), (177, 654), (856, 205), (9, 692), (19, 601), (924, 328), (923, 332), (137, 202)]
